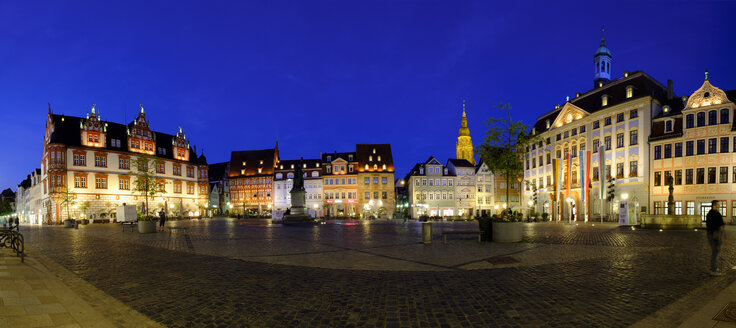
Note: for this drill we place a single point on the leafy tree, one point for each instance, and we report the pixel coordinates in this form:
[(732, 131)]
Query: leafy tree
[(504, 147), (5, 207), (65, 197), (147, 183), (83, 207)]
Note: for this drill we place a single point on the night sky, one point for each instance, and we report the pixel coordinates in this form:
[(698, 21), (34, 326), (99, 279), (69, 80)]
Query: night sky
[(323, 76)]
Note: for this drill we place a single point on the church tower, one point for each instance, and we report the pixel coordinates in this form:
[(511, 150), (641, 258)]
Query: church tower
[(464, 144), (602, 62)]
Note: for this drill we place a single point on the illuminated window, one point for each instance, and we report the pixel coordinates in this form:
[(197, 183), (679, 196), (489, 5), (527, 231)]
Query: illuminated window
[(629, 92), (604, 100)]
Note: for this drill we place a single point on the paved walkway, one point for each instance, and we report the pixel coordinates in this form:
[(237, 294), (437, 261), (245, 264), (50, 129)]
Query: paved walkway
[(234, 273), (40, 293)]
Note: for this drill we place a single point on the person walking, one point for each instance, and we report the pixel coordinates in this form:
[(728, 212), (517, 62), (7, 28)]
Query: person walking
[(161, 220), (714, 224)]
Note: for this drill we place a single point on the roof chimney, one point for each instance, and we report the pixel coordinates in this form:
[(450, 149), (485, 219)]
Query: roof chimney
[(670, 93)]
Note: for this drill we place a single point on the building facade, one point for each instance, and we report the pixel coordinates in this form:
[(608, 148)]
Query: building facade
[(485, 190), (283, 183), (92, 159), (431, 190), (250, 181), (464, 173), (340, 185), (616, 115), (375, 180), (695, 149), (28, 199)]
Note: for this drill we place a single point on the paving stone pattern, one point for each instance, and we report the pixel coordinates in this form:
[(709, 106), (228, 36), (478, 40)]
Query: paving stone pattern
[(179, 288)]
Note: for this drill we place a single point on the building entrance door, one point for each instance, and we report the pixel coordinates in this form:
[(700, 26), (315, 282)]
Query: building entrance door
[(704, 209)]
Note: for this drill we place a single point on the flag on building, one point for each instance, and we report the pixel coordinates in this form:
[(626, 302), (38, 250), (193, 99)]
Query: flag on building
[(556, 179), (583, 181), (568, 174), (602, 171)]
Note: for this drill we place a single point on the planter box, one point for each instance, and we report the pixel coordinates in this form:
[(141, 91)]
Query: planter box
[(68, 224), (146, 226), (507, 232)]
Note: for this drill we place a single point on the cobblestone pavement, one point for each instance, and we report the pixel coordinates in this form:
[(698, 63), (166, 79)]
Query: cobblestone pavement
[(376, 274)]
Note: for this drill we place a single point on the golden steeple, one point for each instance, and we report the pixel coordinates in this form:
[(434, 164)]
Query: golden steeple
[(464, 143)]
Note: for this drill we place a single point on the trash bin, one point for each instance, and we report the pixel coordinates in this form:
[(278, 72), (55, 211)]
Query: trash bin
[(427, 232)]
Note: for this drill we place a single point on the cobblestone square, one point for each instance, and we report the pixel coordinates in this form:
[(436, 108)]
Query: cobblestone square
[(232, 273)]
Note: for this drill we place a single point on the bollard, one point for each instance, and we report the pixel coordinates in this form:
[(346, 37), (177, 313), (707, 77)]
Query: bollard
[(427, 232)]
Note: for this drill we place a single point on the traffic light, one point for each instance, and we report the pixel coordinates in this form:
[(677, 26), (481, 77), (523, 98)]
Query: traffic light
[(611, 191)]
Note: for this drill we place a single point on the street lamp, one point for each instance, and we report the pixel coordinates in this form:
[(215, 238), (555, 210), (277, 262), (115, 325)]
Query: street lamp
[(625, 196)]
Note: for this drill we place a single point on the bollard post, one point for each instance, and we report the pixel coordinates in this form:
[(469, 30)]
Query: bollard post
[(427, 232)]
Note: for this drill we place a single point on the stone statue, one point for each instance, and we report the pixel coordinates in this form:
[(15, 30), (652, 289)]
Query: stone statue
[(298, 177), (298, 212)]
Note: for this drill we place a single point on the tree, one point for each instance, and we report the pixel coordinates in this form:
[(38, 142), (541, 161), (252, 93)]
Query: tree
[(504, 147), (147, 183), (83, 207), (65, 197), (5, 207)]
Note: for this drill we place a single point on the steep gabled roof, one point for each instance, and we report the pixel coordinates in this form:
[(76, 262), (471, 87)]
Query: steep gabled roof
[(67, 131), (264, 159)]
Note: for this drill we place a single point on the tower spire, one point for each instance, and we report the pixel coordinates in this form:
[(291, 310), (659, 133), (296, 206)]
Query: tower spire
[(602, 62), (706, 74), (464, 143)]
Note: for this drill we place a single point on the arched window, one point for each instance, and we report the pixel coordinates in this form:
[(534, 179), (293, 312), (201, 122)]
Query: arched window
[(384, 166), (713, 117), (315, 174), (279, 175), (701, 119), (724, 116), (690, 121), (370, 158), (290, 176), (375, 166), (366, 166)]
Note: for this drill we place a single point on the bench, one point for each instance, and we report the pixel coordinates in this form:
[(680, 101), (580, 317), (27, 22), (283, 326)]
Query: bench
[(177, 228), (128, 224), (13, 240), (471, 232)]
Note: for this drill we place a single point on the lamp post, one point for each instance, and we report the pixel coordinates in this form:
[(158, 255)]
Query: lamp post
[(531, 208)]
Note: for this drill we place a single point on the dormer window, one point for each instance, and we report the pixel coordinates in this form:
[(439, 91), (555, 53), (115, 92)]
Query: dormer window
[(290, 176), (668, 126), (548, 124), (329, 158), (366, 167), (242, 172), (384, 166), (666, 109), (292, 166), (305, 165), (379, 158), (350, 158), (375, 166), (604, 100), (260, 170), (243, 163), (329, 168), (374, 150), (261, 163), (629, 92), (421, 170)]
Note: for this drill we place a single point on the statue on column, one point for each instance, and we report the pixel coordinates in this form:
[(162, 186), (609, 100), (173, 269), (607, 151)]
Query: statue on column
[(671, 199), (298, 211)]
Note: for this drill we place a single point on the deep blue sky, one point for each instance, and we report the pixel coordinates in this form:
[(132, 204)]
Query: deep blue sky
[(324, 75)]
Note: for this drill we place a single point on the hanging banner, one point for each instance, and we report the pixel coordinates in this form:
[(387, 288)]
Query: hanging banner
[(587, 177), (568, 174), (555, 178), (581, 168), (602, 171)]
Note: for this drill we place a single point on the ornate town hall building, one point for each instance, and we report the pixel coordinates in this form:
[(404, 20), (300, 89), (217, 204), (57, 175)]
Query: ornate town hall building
[(92, 158)]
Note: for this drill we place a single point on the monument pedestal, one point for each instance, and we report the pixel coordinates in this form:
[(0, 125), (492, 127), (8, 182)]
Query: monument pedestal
[(298, 212)]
